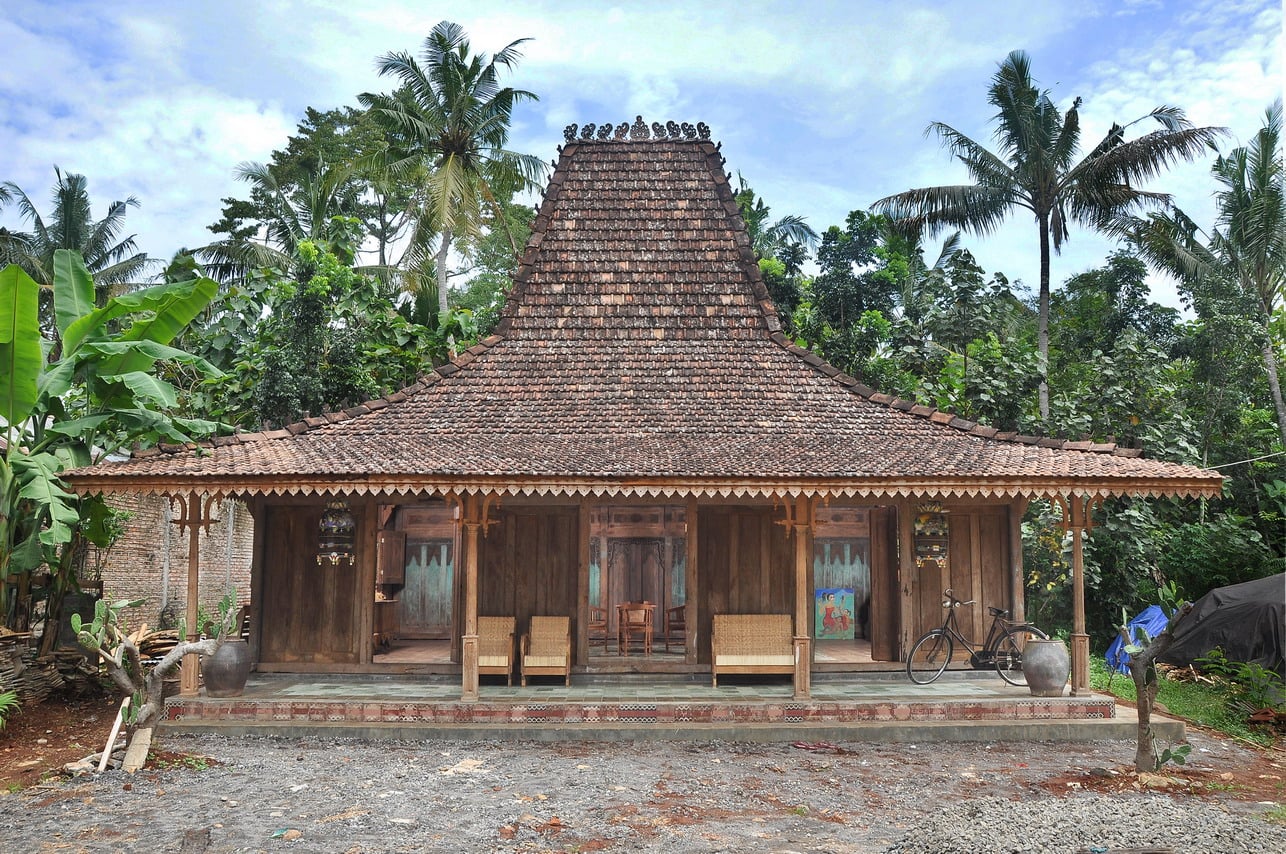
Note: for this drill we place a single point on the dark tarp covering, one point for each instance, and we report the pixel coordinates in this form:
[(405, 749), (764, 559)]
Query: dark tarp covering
[(1248, 621)]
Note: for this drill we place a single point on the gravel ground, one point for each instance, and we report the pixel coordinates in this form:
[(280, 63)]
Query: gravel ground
[(319, 795)]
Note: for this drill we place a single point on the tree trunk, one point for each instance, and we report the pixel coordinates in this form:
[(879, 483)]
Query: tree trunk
[(1143, 672), (1042, 321), (1270, 367), (443, 305)]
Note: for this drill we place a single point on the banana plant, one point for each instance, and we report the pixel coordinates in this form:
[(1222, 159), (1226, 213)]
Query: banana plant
[(79, 395)]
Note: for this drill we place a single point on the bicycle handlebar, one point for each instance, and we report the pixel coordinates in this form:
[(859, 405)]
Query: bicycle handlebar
[(952, 602)]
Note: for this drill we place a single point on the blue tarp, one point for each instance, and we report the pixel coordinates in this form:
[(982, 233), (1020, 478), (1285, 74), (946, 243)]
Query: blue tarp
[(1153, 620)]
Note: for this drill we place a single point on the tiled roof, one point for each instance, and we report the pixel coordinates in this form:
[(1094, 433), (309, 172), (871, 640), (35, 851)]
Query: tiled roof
[(639, 353)]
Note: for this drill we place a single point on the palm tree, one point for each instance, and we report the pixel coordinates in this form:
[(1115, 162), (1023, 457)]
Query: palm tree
[(113, 261), (773, 239), (306, 211), (1036, 168), (450, 118), (1247, 247)]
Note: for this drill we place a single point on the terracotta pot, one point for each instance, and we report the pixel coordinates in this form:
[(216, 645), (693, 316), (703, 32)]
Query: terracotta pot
[(226, 671), (1046, 665)]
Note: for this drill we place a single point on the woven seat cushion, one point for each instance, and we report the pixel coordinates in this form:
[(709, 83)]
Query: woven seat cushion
[(544, 661), (493, 661), (755, 660)]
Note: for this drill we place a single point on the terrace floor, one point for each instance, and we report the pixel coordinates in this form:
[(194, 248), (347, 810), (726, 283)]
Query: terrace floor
[(961, 706)]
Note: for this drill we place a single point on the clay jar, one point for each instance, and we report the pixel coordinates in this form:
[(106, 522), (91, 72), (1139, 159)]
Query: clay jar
[(226, 671), (1046, 665)]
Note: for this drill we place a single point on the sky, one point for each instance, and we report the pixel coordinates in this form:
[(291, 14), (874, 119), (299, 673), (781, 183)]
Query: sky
[(820, 106)]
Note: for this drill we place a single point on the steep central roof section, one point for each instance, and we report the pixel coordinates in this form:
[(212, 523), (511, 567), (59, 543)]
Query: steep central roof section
[(639, 243)]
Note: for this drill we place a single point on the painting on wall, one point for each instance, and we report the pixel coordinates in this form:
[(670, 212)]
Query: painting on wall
[(835, 618)]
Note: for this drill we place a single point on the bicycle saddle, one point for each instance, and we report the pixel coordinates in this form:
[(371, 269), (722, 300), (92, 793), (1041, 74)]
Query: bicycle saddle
[(998, 612)]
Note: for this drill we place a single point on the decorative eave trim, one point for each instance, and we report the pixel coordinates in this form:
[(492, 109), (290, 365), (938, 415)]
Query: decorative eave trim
[(891, 488)]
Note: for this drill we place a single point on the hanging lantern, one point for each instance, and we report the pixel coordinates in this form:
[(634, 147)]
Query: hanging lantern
[(335, 535)]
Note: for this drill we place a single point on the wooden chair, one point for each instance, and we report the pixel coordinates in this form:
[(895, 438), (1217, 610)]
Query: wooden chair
[(597, 626), (676, 627), (634, 619), (547, 649), (496, 647)]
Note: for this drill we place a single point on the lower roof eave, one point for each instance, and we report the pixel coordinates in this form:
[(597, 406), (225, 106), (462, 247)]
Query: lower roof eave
[(669, 487)]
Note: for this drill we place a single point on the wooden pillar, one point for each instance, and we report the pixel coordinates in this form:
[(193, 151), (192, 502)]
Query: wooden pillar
[(802, 529), (907, 569), (582, 582), (692, 603), (1077, 518), (194, 514), (1017, 586), (470, 520)]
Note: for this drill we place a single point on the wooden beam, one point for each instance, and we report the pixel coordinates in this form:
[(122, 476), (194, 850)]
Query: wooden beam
[(471, 519), (194, 514), (906, 576), (582, 582), (1078, 518), (802, 529), (691, 581), (1017, 586), (367, 550)]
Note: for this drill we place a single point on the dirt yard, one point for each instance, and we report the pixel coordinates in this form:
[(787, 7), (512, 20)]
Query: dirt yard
[(214, 794)]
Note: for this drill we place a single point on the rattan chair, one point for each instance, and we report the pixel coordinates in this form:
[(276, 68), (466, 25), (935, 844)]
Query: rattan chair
[(547, 649), (496, 647)]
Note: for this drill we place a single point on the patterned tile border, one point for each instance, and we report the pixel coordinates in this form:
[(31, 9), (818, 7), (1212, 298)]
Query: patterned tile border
[(738, 711)]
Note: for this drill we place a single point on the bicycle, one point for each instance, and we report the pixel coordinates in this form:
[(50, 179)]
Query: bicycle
[(1002, 650)]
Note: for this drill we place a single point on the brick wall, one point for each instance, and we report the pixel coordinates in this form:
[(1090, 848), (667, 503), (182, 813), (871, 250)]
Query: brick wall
[(150, 561)]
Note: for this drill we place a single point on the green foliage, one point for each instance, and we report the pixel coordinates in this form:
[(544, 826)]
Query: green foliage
[(322, 340), (1178, 755), (8, 705), (1248, 685), (98, 390), (1224, 549), (1204, 705)]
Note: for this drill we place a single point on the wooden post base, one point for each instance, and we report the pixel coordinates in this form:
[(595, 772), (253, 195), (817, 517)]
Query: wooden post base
[(469, 655), (803, 667), (1080, 664)]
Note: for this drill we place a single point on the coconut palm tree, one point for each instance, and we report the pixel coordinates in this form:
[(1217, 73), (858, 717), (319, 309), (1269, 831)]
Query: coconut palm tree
[(113, 261), (772, 239), (450, 119), (1036, 168), (1247, 247), (308, 210)]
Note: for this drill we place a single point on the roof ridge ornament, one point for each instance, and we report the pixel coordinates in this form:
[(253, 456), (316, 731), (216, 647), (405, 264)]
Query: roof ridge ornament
[(639, 130)]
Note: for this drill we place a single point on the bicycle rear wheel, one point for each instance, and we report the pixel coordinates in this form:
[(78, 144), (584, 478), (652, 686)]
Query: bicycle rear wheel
[(929, 657), (1009, 653)]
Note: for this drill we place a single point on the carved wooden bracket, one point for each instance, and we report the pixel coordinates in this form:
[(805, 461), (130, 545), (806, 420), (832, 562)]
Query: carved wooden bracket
[(1078, 511), (194, 510), (792, 521)]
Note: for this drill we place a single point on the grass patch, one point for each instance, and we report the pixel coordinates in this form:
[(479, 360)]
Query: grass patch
[(1203, 705)]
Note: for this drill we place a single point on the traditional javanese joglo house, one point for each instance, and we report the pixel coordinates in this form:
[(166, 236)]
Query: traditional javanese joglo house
[(638, 429)]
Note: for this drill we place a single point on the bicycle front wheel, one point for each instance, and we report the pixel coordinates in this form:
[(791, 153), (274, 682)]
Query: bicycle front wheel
[(1009, 653), (929, 657)]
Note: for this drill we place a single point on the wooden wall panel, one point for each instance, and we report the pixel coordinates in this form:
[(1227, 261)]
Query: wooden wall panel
[(747, 565), (977, 569), (528, 564), (311, 613)]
